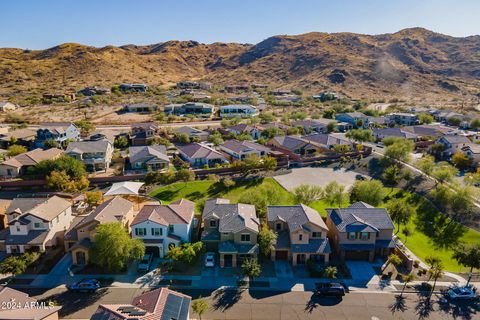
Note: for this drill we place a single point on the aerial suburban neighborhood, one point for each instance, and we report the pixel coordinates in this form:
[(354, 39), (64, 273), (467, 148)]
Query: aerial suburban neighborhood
[(183, 180)]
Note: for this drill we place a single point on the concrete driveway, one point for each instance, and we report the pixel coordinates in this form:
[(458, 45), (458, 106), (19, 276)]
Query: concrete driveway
[(316, 176), (361, 270)]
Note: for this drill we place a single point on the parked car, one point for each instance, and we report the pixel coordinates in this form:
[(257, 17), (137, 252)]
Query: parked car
[(144, 264), (330, 289), (210, 259), (462, 293), (85, 285)]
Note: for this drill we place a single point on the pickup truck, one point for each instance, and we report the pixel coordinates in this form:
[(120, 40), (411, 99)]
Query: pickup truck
[(330, 289)]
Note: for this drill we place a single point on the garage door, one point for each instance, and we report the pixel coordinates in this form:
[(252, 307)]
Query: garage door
[(281, 255), (357, 255)]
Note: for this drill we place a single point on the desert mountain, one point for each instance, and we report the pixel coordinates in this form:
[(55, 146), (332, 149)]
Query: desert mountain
[(409, 63)]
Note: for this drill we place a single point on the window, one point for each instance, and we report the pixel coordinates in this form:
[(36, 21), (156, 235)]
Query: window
[(36, 225), (364, 235), (278, 226), (300, 237), (316, 234), (245, 237), (171, 228), (156, 232), (213, 223), (140, 231), (18, 228), (352, 236)]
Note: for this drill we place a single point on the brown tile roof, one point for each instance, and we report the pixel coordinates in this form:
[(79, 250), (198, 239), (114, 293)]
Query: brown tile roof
[(47, 209), (32, 158), (178, 212), (112, 210)]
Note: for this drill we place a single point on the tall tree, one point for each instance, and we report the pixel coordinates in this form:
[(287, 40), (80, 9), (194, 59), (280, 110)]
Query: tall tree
[(266, 240), (15, 150), (251, 268), (307, 194), (113, 248), (400, 212), (200, 306), (407, 278), (369, 191), (468, 256), (400, 150), (335, 194), (360, 135), (426, 164)]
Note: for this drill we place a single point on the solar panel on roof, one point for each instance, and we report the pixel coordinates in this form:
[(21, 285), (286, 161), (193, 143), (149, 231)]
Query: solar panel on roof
[(175, 308)]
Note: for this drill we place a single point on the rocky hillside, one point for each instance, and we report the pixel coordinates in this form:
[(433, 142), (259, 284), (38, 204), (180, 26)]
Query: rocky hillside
[(408, 64)]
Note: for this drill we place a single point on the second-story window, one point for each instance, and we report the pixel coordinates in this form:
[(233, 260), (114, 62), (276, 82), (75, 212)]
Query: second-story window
[(316, 234), (245, 237), (213, 223), (300, 237), (171, 228), (352, 236), (18, 228), (36, 225), (364, 235), (156, 232), (140, 231)]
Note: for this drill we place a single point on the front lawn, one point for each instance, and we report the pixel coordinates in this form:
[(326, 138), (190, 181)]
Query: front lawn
[(321, 205), (199, 191)]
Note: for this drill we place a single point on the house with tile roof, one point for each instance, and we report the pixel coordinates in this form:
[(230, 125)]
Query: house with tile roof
[(301, 234), (58, 132), (162, 226), (18, 165), (142, 133), (239, 150), (158, 304), (149, 158), (24, 137), (35, 224), (193, 133), (242, 128), (295, 146), (79, 237), (398, 132), (20, 308), (472, 151), (231, 229), (96, 155), (360, 232), (199, 155)]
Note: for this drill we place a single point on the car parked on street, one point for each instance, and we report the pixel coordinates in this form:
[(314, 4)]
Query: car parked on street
[(210, 259), (462, 293), (84, 285), (330, 289), (144, 264)]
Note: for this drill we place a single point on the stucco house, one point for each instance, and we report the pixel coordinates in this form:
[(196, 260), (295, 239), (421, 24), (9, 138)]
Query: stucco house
[(230, 229), (294, 146), (35, 224), (18, 165), (150, 158), (19, 306), (360, 232), (193, 133), (402, 118), (142, 133), (472, 150), (238, 110), (199, 155), (96, 155), (242, 128), (301, 234), (196, 108), (56, 132), (239, 150), (79, 237), (163, 226), (356, 119), (453, 143)]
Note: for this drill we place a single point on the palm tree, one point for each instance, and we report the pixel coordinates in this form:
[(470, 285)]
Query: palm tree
[(200, 306), (330, 272), (406, 278), (435, 273)]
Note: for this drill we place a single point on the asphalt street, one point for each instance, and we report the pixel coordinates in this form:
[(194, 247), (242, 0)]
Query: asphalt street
[(245, 304)]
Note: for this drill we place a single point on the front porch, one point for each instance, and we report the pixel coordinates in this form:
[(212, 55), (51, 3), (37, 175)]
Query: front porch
[(232, 254)]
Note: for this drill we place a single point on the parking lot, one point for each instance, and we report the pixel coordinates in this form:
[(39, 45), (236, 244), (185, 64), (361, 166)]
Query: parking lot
[(317, 176)]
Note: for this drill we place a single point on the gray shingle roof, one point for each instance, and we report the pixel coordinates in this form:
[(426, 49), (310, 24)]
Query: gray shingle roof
[(88, 146), (197, 150), (360, 217), (232, 217), (295, 216), (313, 246), (244, 146), (290, 142), (456, 139), (148, 152)]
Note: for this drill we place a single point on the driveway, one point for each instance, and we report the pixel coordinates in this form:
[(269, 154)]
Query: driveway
[(316, 176), (361, 271)]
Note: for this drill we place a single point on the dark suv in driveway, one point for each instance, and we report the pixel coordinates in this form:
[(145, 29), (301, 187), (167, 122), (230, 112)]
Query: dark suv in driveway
[(330, 289)]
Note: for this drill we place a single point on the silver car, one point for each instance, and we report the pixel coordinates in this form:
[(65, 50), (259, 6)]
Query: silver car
[(210, 260)]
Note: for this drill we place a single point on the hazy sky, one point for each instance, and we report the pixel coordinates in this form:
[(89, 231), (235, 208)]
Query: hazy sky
[(37, 24)]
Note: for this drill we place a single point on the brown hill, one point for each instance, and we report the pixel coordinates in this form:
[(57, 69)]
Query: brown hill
[(407, 64)]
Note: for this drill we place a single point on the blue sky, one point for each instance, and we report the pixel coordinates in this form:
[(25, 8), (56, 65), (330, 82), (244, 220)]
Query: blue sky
[(37, 24)]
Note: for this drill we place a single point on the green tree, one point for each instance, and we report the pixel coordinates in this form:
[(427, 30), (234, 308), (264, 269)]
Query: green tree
[(394, 259), (425, 118), (269, 163), (475, 124), (330, 272), (185, 175), (85, 126), (260, 197), (267, 117), (124, 249), (426, 164), (271, 132), (369, 191), (216, 138), (468, 256), (200, 306), (15, 265), (453, 121), (331, 127), (407, 278), (182, 138), (335, 194), (93, 197), (266, 240), (51, 144), (360, 135), (228, 183), (435, 272), (187, 253), (400, 150), (121, 142), (461, 161), (391, 175), (307, 194), (444, 172), (400, 212), (329, 114), (73, 167), (251, 268), (15, 150), (61, 181)]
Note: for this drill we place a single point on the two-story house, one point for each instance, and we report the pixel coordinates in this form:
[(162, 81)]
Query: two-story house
[(56, 132), (356, 119), (402, 118), (96, 155), (301, 234), (149, 158), (35, 224), (360, 232), (452, 143), (199, 155), (231, 229), (162, 226), (79, 237), (142, 133), (239, 150), (242, 128), (197, 108)]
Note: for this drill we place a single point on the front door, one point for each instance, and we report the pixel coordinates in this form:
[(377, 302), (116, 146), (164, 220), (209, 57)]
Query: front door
[(301, 258)]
